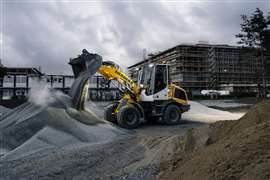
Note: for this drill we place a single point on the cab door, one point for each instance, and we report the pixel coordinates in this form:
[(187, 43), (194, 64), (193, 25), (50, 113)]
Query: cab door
[(160, 82)]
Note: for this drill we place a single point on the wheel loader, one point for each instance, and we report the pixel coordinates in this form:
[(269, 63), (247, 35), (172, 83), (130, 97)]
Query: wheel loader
[(153, 96)]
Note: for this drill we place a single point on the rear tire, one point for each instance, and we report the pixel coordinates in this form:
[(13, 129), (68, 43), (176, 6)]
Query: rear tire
[(172, 115), (128, 117), (108, 113)]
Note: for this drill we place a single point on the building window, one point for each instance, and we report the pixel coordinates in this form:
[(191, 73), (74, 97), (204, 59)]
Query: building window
[(20, 93), (7, 94), (21, 79), (93, 80), (8, 79)]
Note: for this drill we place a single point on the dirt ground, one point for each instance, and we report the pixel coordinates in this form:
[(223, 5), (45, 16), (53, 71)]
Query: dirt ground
[(191, 150), (131, 155), (54, 141), (230, 150)]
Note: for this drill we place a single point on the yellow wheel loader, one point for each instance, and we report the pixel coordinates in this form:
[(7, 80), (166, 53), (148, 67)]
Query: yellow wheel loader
[(153, 96)]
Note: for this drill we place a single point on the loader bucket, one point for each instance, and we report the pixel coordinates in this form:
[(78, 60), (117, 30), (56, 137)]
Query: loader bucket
[(84, 66)]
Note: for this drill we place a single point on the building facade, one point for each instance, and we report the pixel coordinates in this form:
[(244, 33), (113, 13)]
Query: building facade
[(17, 83), (203, 66)]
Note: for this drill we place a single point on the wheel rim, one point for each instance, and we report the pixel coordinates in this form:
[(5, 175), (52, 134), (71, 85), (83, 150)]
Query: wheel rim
[(173, 115), (131, 118)]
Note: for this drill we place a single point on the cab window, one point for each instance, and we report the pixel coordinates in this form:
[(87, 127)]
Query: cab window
[(160, 78)]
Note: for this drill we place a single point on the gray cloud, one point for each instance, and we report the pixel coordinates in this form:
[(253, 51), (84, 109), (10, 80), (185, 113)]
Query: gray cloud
[(47, 34)]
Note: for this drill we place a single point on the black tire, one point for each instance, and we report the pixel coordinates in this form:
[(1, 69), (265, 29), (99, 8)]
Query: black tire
[(108, 113), (172, 115), (128, 117)]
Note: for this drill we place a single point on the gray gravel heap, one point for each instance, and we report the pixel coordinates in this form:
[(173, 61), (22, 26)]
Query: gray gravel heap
[(32, 128)]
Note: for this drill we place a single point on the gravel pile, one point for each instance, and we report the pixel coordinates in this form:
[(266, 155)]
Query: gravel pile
[(32, 128), (4, 111)]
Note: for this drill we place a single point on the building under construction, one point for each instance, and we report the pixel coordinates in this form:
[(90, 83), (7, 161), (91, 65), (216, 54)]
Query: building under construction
[(203, 66)]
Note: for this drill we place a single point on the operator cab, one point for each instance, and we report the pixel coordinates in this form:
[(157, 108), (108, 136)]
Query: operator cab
[(154, 79)]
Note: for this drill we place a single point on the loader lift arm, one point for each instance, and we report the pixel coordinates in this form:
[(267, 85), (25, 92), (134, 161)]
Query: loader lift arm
[(110, 71), (86, 65)]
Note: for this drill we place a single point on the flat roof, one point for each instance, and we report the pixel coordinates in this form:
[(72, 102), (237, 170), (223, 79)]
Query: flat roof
[(12, 70), (185, 45)]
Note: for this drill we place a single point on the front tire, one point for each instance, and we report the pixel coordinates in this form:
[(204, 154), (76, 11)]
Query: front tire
[(128, 117), (109, 113), (172, 115)]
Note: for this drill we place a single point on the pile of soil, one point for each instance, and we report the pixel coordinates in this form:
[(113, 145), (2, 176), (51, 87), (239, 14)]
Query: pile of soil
[(53, 140), (224, 150), (31, 128), (58, 142)]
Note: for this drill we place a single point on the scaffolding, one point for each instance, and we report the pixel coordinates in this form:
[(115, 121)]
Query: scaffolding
[(204, 66)]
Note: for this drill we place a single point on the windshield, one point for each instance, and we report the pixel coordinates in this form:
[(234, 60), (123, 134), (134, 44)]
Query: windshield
[(145, 76)]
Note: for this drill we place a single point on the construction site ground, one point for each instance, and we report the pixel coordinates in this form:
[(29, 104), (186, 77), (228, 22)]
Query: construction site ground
[(54, 141)]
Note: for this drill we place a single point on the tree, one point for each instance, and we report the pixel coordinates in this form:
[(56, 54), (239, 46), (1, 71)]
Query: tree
[(255, 30), (255, 33)]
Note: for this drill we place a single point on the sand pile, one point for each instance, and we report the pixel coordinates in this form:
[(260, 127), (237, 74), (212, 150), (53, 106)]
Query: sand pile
[(202, 113), (225, 150), (31, 128)]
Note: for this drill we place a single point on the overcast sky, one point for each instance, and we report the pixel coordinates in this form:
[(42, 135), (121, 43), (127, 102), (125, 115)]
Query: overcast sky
[(47, 33)]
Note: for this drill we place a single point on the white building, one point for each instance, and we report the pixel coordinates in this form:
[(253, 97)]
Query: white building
[(18, 81)]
